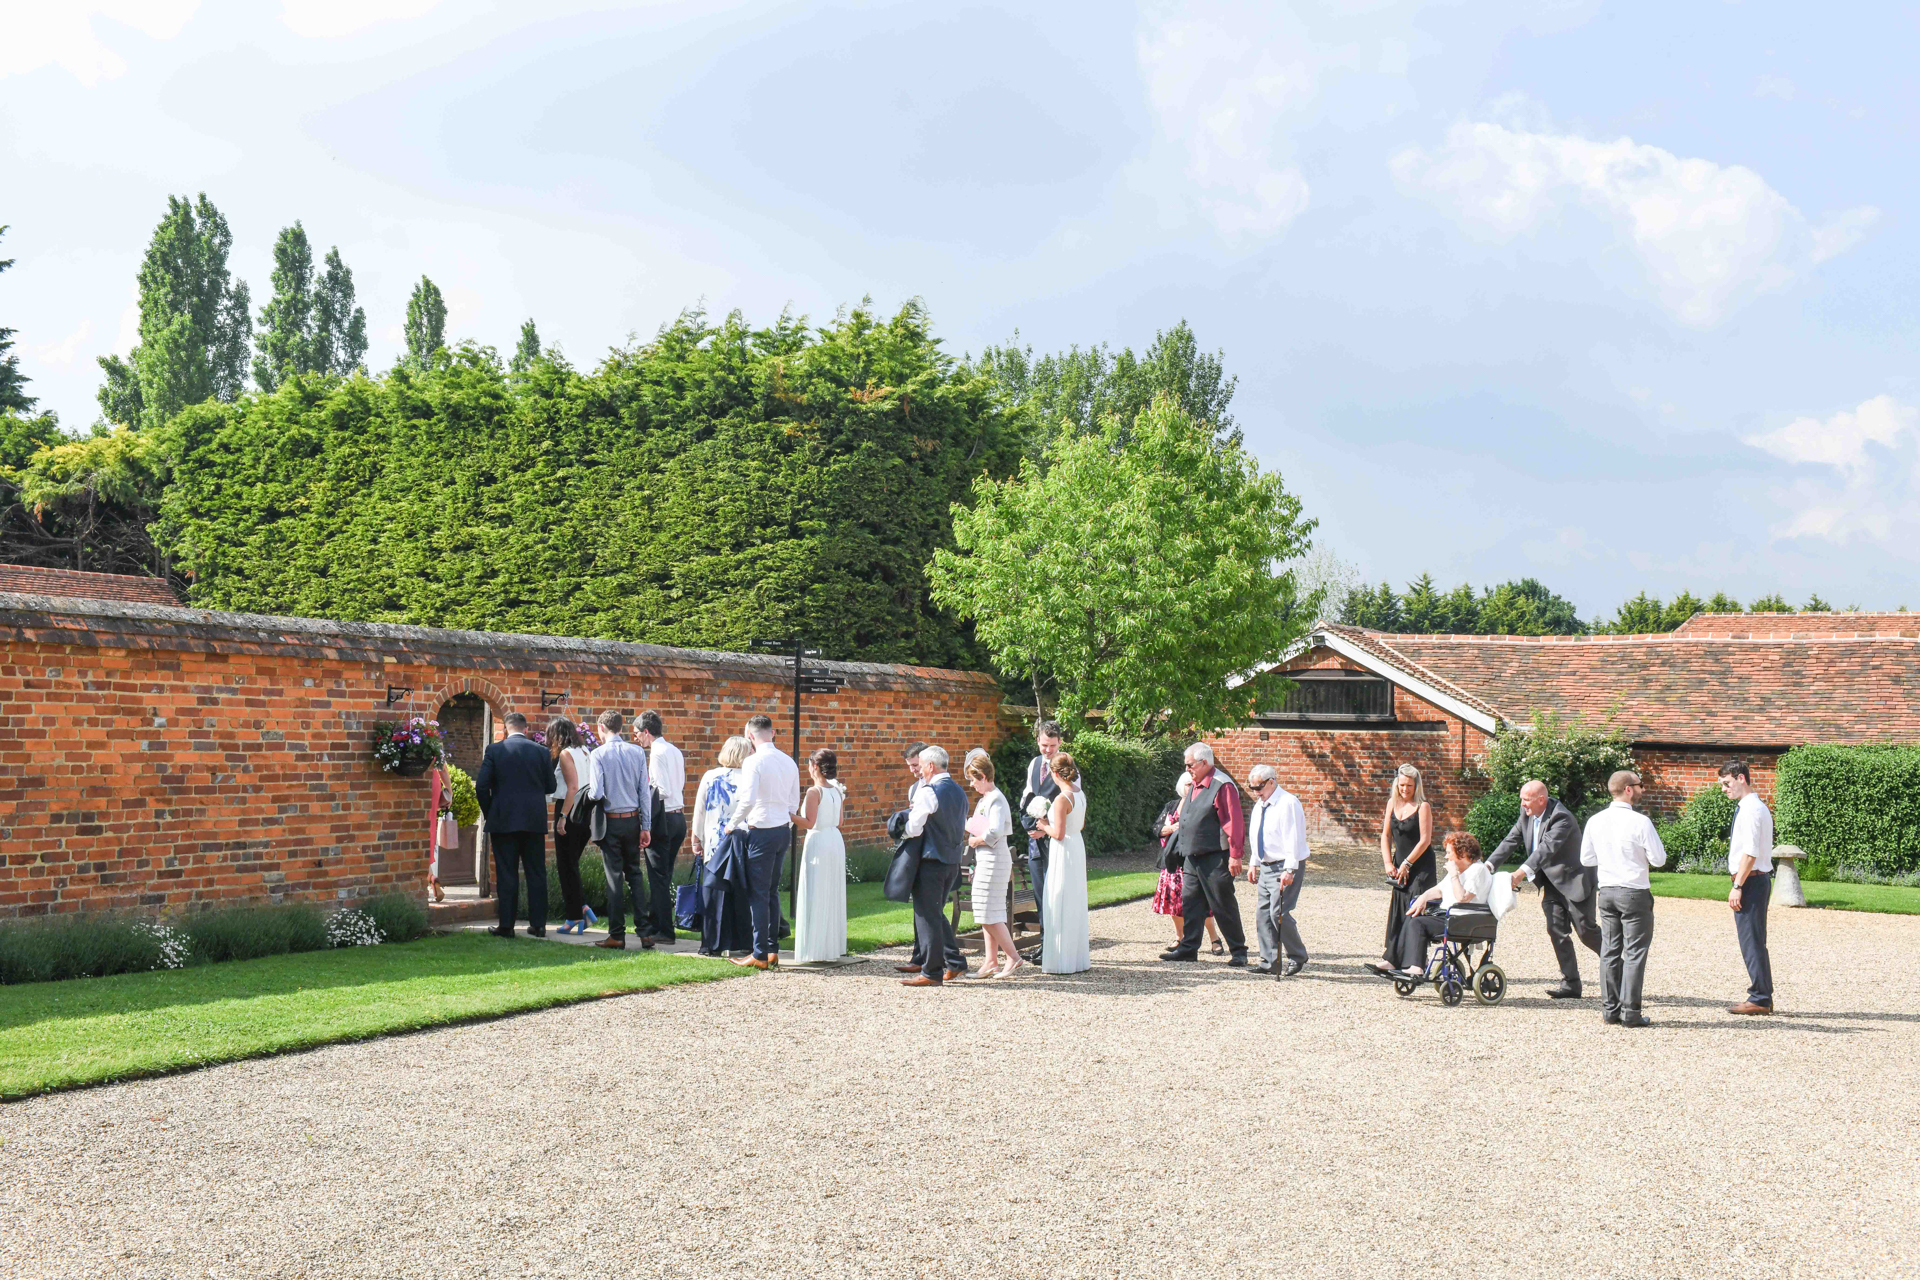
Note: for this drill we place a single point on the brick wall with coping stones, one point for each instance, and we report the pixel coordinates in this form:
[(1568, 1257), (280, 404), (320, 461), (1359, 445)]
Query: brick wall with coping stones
[(152, 757)]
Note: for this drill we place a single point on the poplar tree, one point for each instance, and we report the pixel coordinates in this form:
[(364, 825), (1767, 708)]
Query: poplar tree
[(13, 383), (285, 341), (339, 327), (426, 323), (527, 351), (195, 322)]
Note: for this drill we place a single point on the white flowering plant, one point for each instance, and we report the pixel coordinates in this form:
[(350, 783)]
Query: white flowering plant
[(352, 928), (175, 947)]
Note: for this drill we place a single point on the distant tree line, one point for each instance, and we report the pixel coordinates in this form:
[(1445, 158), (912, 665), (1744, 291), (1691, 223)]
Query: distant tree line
[(1527, 608)]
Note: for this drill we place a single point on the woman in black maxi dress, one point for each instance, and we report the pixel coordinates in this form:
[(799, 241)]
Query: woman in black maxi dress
[(1408, 827)]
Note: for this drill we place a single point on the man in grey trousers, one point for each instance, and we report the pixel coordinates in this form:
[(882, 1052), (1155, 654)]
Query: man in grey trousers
[(1621, 845), (1276, 868)]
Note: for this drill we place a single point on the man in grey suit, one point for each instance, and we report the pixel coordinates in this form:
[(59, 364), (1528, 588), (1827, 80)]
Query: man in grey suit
[(1547, 833)]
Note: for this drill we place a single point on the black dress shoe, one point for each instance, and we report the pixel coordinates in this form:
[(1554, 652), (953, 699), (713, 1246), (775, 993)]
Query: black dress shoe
[(1293, 967), (1237, 961), (1563, 992), (1635, 1020), (536, 933), (1177, 954), (498, 932), (1611, 1019)]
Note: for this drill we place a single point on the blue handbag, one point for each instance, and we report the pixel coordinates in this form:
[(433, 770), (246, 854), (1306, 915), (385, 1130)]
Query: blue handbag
[(689, 905)]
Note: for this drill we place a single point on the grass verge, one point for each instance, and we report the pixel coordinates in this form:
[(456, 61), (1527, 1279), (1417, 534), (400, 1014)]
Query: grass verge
[(1903, 900), (60, 1035), (873, 922)]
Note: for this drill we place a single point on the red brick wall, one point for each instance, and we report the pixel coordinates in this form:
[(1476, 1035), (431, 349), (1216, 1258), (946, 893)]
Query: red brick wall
[(1342, 776), (1673, 774), (152, 758)]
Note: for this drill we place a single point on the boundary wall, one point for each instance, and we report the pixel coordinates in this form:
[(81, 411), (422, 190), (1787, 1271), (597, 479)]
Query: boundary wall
[(153, 758)]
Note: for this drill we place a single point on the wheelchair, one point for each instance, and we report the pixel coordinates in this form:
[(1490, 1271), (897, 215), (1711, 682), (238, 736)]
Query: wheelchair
[(1462, 960)]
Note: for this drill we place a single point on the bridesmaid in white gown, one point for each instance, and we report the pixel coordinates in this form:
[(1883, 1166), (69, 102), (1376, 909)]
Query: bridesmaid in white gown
[(1063, 914), (820, 932)]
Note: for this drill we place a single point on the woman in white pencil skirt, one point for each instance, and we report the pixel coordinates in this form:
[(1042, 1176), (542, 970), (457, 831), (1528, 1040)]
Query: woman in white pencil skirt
[(987, 833)]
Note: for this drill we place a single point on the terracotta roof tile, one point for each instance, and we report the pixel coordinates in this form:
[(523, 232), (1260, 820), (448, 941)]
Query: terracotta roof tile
[(1680, 687), (1754, 626), (70, 584)]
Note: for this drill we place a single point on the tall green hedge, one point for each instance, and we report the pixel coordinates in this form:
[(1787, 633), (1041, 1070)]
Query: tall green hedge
[(1126, 781), (1851, 806), (1491, 817)]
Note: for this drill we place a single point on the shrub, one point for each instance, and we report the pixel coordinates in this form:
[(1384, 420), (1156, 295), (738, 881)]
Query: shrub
[(461, 796), (1853, 807), (1573, 760), (80, 947), (1697, 839), (1491, 817), (398, 916), (245, 933), (352, 927), (1127, 782)]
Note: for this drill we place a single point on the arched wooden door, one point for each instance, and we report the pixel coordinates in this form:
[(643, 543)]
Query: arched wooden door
[(466, 722)]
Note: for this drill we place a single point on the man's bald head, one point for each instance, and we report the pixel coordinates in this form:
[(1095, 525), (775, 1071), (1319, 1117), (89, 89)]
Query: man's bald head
[(1533, 797)]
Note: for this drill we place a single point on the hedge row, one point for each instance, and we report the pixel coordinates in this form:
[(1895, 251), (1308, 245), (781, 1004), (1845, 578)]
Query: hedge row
[(1126, 781), (1855, 807)]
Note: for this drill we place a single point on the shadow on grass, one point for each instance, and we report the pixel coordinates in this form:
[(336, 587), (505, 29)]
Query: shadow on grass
[(456, 956)]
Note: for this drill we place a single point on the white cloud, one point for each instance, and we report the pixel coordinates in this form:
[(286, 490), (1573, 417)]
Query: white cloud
[(64, 353), (1775, 87), (63, 33), (327, 19), (1877, 490), (1709, 236)]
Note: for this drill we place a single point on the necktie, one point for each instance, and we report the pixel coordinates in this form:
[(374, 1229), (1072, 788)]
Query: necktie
[(1536, 833), (1260, 839)]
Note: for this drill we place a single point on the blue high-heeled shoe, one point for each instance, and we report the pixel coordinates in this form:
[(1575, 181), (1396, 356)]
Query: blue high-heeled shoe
[(591, 918), (572, 926)]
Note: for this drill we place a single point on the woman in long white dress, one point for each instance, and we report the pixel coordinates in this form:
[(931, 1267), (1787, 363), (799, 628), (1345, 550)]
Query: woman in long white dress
[(1063, 912), (820, 931), (987, 833)]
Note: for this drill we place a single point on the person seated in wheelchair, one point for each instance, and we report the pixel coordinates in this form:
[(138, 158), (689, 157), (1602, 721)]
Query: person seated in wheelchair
[(1463, 897)]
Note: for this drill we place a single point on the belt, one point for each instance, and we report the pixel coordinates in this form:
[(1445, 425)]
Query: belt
[(621, 813)]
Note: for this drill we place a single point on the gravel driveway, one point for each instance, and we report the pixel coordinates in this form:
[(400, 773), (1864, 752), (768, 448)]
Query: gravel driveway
[(1142, 1119)]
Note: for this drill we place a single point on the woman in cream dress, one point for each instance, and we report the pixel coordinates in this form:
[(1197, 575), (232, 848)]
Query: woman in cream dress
[(820, 932), (987, 833), (1063, 913)]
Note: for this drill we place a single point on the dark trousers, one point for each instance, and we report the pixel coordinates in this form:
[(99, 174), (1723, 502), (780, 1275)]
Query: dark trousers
[(1626, 933), (952, 957), (1750, 922), (620, 854), (512, 852), (932, 886), (662, 853), (1417, 933), (1565, 918), (568, 845), (766, 848), (1206, 885)]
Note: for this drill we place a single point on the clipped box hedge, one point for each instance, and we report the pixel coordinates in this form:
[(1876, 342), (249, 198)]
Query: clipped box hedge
[(1855, 807), (1126, 781)]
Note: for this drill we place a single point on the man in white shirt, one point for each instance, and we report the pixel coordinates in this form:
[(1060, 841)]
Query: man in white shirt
[(1750, 859), (1621, 844), (667, 771), (769, 797), (1276, 867)]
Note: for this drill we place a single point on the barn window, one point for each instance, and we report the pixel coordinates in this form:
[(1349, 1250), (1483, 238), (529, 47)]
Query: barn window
[(1334, 695)]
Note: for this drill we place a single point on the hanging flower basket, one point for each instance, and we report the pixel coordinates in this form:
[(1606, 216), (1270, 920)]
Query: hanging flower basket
[(407, 747)]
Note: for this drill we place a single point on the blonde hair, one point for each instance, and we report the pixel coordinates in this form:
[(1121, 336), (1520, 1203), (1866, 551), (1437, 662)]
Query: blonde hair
[(1419, 787), (733, 752)]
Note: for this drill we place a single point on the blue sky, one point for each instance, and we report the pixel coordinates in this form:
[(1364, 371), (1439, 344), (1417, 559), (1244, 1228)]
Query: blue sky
[(1618, 296)]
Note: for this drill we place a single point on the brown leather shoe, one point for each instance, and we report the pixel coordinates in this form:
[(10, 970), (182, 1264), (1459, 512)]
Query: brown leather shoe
[(616, 944), (773, 959), (922, 981), (954, 975), (751, 962), (1748, 1006), (906, 968)]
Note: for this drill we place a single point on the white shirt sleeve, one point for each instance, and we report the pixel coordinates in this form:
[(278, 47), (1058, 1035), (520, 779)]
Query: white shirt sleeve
[(1656, 852), (748, 795), (1293, 841), (1589, 854), (925, 804)]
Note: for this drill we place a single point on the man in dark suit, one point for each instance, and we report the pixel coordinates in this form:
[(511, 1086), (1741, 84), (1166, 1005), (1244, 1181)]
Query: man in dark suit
[(939, 815), (516, 777), (1547, 833)]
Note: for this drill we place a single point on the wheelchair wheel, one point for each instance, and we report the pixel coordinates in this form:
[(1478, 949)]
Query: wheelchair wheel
[(1490, 984), (1451, 992), (1403, 986)]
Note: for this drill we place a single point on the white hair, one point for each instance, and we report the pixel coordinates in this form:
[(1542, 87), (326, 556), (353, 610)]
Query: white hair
[(1199, 751), (1261, 773), (935, 756), (1183, 784)]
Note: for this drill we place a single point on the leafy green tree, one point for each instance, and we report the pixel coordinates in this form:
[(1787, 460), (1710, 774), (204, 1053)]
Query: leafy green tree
[(1680, 608), (1527, 608), (1638, 616), (285, 339), (526, 351), (95, 497), (426, 329), (1815, 604), (23, 538), (1723, 603), (1376, 608), (1076, 390), (13, 383), (1773, 602), (1423, 610), (194, 322), (1462, 612), (1572, 758), (1137, 566), (339, 327)]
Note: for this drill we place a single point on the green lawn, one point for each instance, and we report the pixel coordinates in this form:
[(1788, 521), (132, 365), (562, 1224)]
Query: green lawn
[(873, 922), (1891, 899), (58, 1035)]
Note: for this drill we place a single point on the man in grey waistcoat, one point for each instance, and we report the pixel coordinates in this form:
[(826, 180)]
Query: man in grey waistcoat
[(939, 815)]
